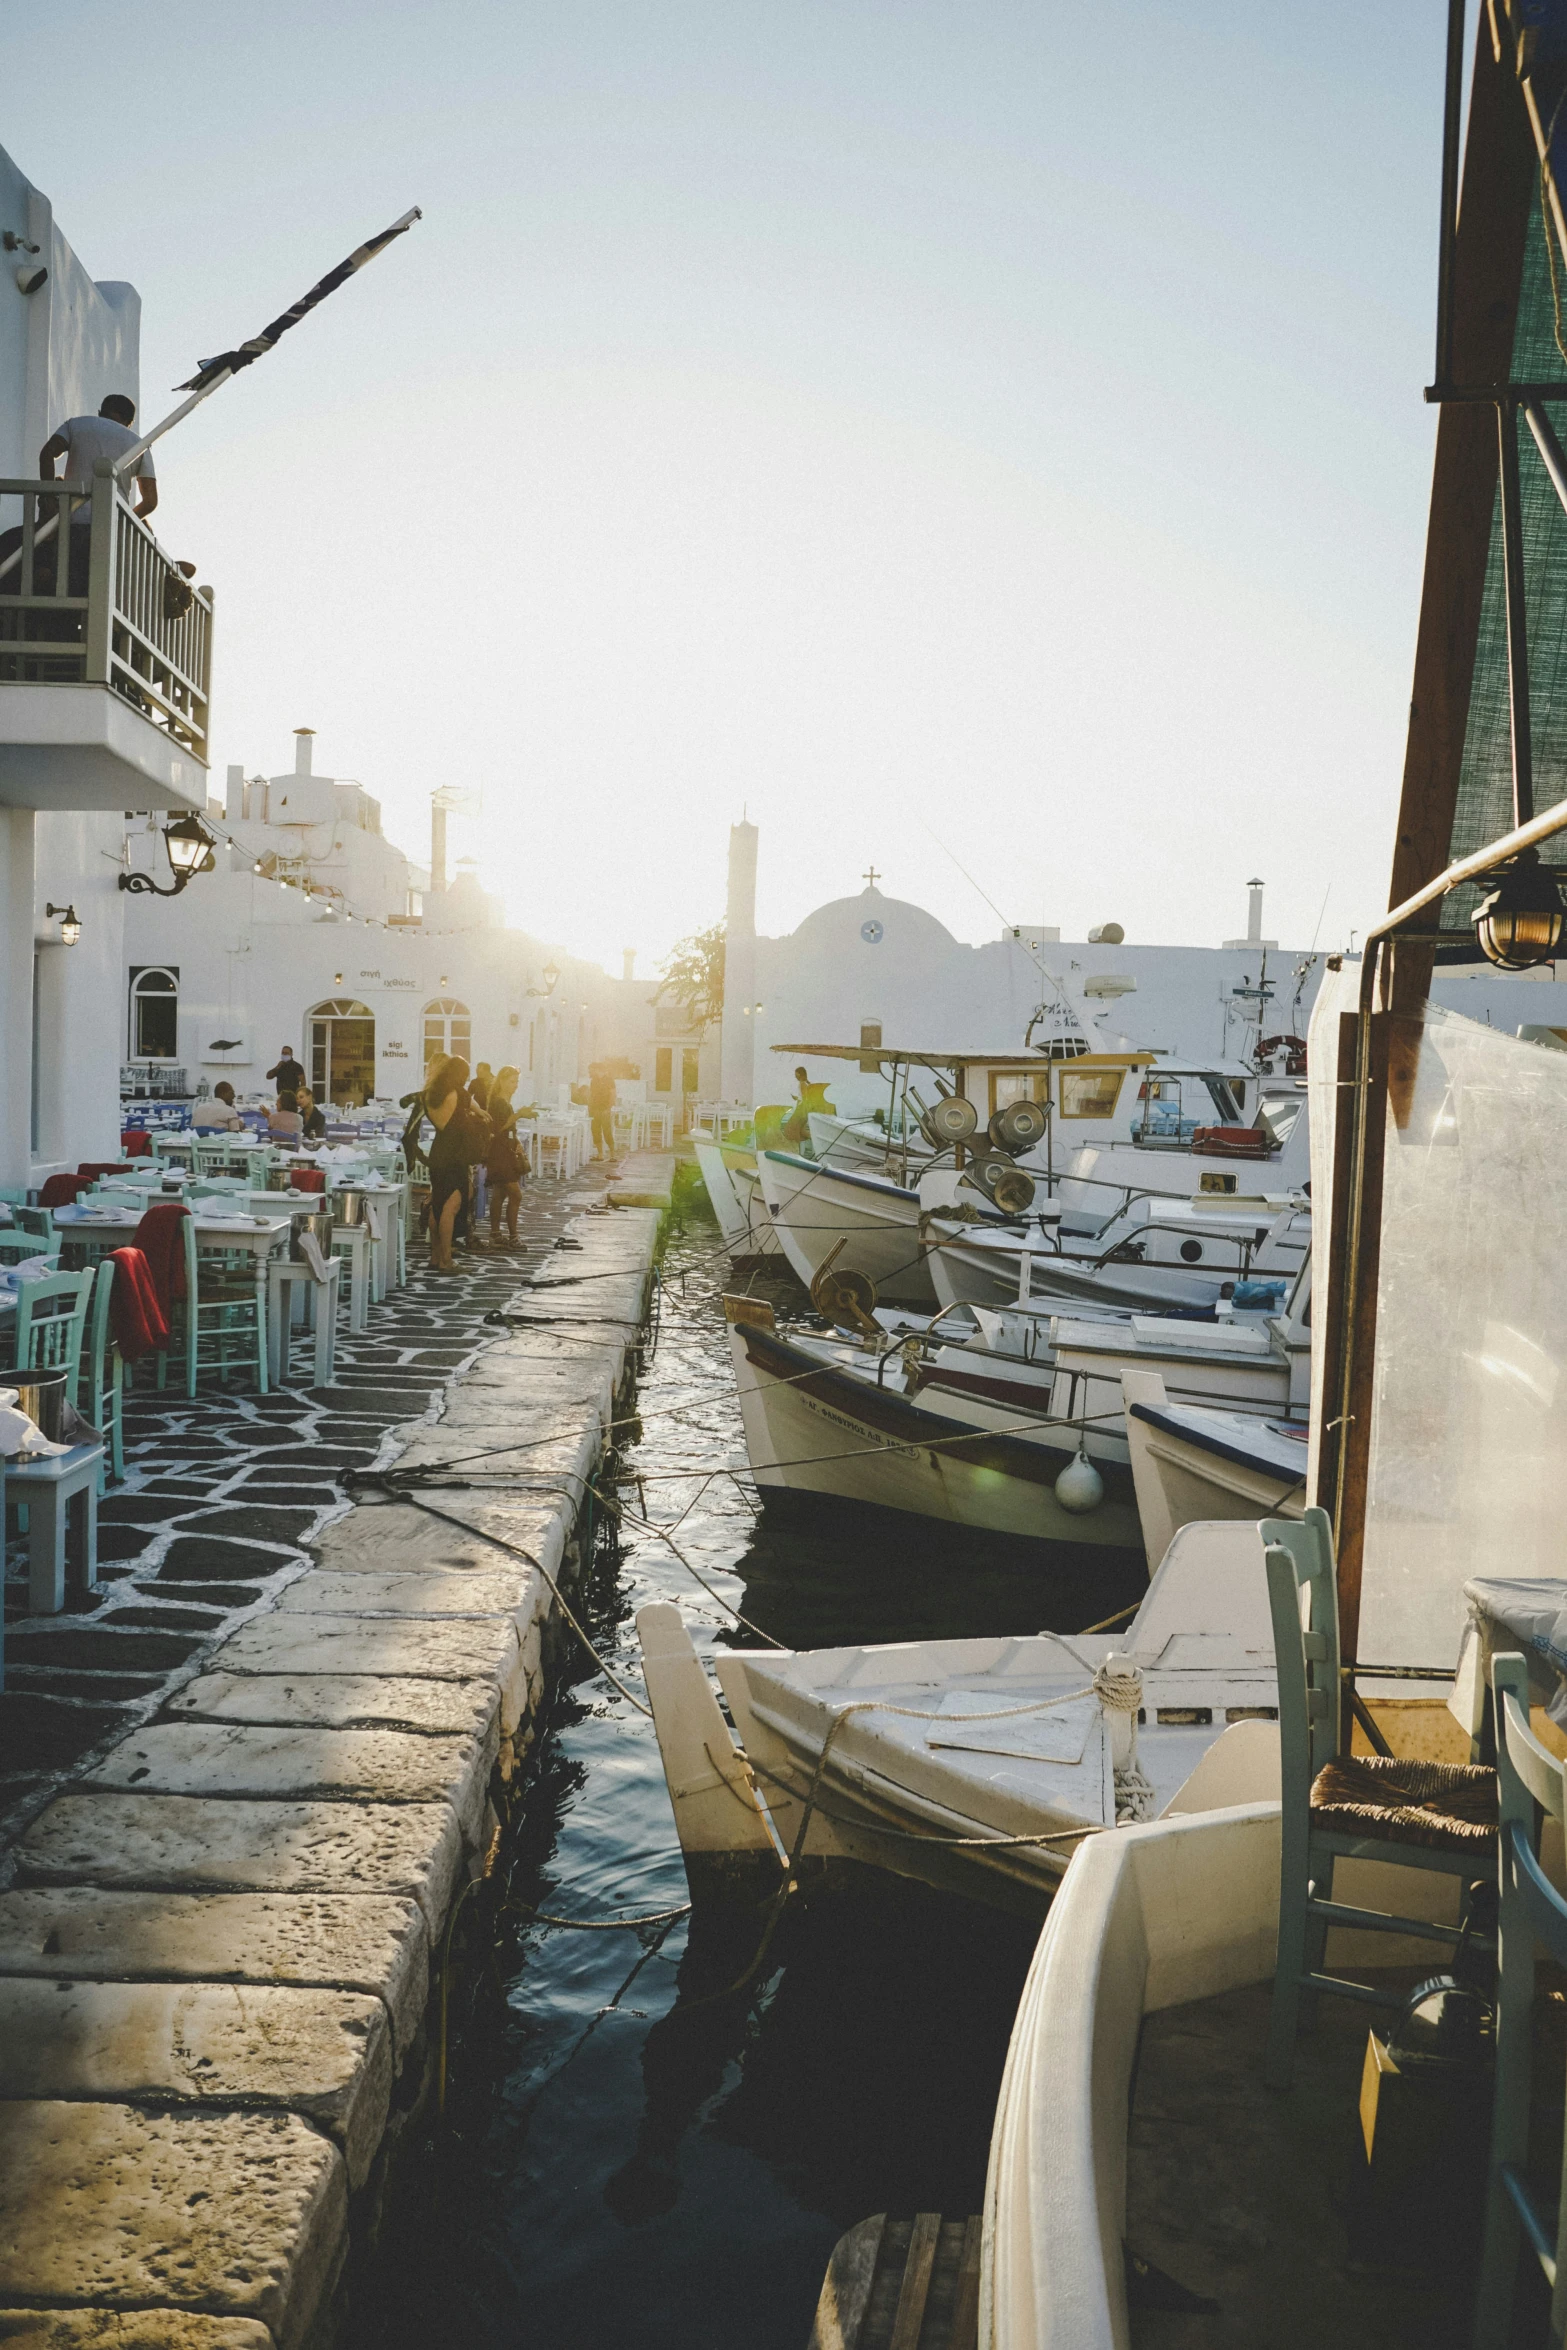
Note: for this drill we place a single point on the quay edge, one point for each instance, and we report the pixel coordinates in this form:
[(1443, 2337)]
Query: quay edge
[(220, 1953)]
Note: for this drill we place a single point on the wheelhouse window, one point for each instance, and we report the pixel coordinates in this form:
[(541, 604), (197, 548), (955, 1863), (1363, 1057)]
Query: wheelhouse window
[(155, 1011), (1090, 1093), (1018, 1085)]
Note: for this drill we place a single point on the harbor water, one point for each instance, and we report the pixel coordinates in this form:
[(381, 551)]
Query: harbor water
[(627, 2155)]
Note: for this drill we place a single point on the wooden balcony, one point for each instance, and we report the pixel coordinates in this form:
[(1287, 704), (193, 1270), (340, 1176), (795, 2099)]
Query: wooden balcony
[(105, 657)]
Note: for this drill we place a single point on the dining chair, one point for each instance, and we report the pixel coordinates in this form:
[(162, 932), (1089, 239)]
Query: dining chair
[(51, 1316), (1532, 1913), (39, 1221), (221, 1321), (106, 1377), (1342, 1806), (19, 1248)]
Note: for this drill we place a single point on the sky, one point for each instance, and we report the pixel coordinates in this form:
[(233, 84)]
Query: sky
[(978, 439)]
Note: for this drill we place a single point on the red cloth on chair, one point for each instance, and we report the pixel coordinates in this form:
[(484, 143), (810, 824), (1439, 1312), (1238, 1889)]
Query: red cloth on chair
[(162, 1243), (61, 1191), (136, 1144), (308, 1178), (93, 1170), (137, 1319)]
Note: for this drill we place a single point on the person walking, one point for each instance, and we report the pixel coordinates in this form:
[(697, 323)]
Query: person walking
[(601, 1108), (507, 1166), (444, 1093)]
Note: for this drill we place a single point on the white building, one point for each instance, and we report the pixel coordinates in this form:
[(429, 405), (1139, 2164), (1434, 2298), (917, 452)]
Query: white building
[(880, 970), (315, 932), (102, 707)]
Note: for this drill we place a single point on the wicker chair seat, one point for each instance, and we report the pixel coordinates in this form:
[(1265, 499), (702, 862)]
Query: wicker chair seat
[(1447, 1806)]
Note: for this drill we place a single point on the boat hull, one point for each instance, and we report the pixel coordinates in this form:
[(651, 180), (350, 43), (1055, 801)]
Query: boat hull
[(811, 1428), (968, 1273), (814, 1207)]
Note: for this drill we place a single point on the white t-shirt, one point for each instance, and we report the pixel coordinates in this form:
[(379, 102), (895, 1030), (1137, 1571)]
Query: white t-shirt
[(87, 438)]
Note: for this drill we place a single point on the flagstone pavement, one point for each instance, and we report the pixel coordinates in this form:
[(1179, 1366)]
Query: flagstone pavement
[(221, 1497)]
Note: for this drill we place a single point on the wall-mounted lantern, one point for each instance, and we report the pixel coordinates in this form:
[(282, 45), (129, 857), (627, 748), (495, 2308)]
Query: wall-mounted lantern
[(551, 980), (70, 923), (190, 846)]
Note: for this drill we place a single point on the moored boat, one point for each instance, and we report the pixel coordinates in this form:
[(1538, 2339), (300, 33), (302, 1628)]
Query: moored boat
[(979, 1765)]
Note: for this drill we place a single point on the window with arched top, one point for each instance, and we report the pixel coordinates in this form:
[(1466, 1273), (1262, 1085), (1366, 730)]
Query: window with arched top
[(155, 1011), (341, 1051), (448, 1030)]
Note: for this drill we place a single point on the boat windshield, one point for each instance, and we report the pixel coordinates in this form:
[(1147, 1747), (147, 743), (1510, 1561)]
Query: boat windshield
[(1470, 1411)]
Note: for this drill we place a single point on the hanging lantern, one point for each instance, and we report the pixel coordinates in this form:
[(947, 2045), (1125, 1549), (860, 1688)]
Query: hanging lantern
[(1520, 923)]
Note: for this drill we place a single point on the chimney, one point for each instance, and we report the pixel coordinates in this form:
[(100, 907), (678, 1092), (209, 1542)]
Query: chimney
[(437, 842), (1254, 914), (235, 796), (628, 963), (304, 738)]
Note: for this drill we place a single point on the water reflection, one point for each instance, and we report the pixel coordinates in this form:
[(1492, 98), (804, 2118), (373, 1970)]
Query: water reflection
[(629, 2158)]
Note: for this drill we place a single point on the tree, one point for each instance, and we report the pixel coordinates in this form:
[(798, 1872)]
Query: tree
[(694, 975)]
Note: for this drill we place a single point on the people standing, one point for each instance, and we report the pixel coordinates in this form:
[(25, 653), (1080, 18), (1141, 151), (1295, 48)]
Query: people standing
[(444, 1094), (506, 1166), (82, 441), (601, 1108), (287, 1076)]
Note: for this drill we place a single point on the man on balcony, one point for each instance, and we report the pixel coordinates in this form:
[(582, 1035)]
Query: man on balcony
[(82, 440)]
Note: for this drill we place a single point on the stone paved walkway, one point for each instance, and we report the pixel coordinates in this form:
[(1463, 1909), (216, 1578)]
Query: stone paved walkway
[(221, 1497)]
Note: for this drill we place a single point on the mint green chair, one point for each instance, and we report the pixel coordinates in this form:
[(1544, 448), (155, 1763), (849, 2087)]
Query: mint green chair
[(17, 1247), (1342, 1806), (105, 1405), (51, 1317), (220, 1322), (1532, 1912)]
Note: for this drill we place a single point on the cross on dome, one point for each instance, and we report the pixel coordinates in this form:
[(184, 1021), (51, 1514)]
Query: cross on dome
[(873, 877)]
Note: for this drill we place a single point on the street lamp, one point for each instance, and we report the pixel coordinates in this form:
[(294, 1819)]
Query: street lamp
[(190, 846), (551, 977), (70, 923)]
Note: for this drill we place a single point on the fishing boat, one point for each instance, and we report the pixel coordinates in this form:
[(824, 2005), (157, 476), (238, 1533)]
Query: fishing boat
[(867, 1221), (1157, 1252), (834, 1417), (1192, 1461), (976, 1765), (729, 1174)]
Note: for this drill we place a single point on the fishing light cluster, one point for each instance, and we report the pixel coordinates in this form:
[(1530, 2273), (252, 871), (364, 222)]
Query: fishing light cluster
[(1520, 923)]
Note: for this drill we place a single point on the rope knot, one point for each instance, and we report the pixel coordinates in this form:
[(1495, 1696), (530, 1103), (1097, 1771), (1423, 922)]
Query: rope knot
[(1118, 1685)]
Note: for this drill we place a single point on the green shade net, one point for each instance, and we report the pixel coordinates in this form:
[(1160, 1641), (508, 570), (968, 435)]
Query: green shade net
[(1485, 785)]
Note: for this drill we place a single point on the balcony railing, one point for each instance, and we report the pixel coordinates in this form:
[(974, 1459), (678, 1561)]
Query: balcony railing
[(116, 611)]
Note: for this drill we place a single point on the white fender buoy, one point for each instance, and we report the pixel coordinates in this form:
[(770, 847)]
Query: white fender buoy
[(1080, 1488)]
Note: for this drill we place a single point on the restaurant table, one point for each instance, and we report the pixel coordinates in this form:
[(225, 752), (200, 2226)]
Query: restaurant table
[(58, 1535), (356, 1242), (1514, 1614), (104, 1229)]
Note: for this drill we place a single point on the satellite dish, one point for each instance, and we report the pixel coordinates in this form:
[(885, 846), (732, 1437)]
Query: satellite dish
[(1017, 1127), (949, 1120)]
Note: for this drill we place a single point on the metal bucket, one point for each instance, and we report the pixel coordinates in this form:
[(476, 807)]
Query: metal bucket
[(306, 1220), (349, 1205), (277, 1179), (41, 1395)]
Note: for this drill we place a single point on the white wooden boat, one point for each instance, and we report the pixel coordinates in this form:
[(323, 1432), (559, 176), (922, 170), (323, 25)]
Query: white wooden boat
[(729, 1174), (832, 1417), (1157, 1251), (871, 1222), (979, 1765), (1193, 1461)]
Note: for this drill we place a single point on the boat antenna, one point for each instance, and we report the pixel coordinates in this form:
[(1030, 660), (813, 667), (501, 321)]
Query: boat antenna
[(1050, 978)]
